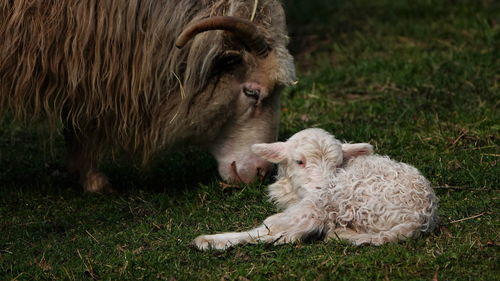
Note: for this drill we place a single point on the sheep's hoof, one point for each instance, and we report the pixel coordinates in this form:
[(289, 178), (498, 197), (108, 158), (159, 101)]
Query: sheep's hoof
[(97, 182)]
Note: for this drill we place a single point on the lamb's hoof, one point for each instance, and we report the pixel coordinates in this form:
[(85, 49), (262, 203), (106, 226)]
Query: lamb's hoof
[(96, 182), (208, 242)]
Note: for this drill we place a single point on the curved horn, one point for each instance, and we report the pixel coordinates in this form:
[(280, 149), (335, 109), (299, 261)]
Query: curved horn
[(246, 31)]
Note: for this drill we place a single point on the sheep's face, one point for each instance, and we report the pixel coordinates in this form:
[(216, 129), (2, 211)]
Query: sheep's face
[(310, 158)]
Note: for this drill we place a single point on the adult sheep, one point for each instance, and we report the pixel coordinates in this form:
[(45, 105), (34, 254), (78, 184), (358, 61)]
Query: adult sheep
[(111, 73)]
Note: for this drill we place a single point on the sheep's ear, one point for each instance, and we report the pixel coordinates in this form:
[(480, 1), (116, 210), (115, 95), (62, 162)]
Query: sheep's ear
[(272, 152), (356, 149)]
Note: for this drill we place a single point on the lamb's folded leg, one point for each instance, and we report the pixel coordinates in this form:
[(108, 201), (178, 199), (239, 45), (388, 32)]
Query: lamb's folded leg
[(298, 222), (398, 232)]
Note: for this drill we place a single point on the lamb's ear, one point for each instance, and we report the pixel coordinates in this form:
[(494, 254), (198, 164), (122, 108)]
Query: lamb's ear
[(356, 149), (272, 152)]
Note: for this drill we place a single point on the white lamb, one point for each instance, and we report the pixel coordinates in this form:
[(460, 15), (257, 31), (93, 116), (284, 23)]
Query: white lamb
[(328, 189)]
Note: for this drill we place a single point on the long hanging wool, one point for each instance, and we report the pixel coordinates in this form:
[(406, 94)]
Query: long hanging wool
[(110, 68)]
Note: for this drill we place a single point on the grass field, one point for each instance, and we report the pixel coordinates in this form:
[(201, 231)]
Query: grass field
[(418, 79)]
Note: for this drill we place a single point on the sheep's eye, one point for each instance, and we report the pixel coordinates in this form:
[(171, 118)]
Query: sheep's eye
[(229, 59)]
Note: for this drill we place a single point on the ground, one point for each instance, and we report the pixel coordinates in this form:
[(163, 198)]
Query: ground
[(420, 80)]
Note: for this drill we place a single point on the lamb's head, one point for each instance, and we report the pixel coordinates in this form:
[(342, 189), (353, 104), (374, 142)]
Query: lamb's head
[(310, 158)]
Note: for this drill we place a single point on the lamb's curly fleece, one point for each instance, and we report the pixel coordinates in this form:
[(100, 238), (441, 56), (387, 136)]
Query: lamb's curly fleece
[(327, 189)]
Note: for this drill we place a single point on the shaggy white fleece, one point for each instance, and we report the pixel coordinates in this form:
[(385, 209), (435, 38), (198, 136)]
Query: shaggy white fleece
[(328, 189)]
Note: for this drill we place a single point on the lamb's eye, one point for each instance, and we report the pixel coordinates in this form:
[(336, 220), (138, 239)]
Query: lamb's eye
[(300, 163)]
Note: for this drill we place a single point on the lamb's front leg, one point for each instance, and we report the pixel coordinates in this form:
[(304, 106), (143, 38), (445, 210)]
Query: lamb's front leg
[(295, 223), (223, 241), (283, 194)]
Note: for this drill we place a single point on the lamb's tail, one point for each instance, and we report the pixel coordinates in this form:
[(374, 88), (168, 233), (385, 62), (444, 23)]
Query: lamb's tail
[(396, 233)]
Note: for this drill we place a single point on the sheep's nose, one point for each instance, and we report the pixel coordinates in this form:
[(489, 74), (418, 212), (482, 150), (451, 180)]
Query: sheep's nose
[(249, 174), (262, 172), (255, 90), (252, 92)]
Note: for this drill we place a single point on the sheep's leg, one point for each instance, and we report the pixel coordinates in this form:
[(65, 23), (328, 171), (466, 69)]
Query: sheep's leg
[(396, 233), (296, 223), (80, 162)]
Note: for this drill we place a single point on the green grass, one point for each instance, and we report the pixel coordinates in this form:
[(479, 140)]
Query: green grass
[(418, 79)]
